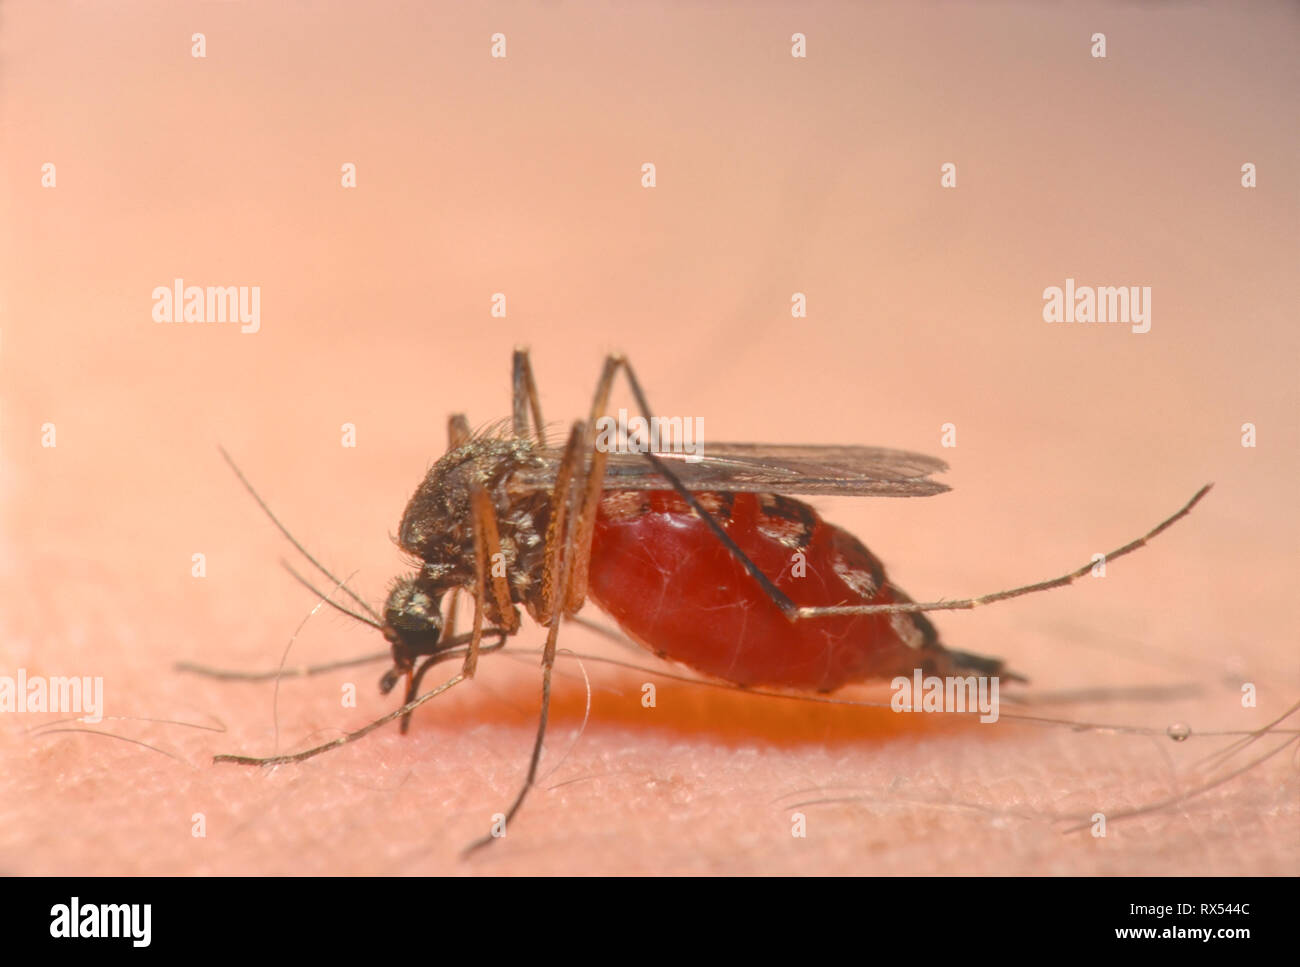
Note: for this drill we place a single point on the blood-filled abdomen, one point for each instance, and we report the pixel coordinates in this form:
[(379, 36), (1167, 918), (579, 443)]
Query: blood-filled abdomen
[(672, 586)]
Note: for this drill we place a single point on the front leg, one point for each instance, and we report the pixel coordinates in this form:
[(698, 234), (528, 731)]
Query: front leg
[(524, 398), (487, 550)]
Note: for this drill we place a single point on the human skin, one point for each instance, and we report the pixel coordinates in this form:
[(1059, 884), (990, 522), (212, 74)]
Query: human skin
[(924, 310), (705, 781)]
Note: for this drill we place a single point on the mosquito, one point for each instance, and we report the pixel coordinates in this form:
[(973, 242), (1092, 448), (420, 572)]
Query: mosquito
[(712, 563)]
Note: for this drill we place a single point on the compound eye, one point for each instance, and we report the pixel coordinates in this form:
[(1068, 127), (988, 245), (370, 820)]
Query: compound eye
[(422, 609), (412, 619)]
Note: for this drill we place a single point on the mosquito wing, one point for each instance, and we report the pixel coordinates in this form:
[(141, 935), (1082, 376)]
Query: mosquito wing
[(771, 468)]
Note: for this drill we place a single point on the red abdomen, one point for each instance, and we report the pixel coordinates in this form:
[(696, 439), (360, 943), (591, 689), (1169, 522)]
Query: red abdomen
[(671, 585)]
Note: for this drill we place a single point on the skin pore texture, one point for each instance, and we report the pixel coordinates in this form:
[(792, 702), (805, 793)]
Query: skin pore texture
[(706, 780), (924, 330)]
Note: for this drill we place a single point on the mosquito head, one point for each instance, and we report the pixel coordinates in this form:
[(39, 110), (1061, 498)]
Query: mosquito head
[(412, 621)]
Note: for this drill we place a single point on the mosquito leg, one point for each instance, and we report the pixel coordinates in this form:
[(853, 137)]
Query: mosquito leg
[(453, 608), (307, 671), (413, 689), (548, 664), (487, 552), (407, 709), (599, 404), (965, 604), (568, 488), (413, 686), (342, 740), (458, 431), (575, 591), (449, 635), (449, 645), (788, 607), (263, 676), (524, 398), (480, 596), (567, 485)]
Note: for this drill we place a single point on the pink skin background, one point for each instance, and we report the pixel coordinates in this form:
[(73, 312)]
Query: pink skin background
[(523, 176)]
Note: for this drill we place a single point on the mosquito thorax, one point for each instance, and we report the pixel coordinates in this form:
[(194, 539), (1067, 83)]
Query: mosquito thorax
[(437, 527), (412, 621)]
